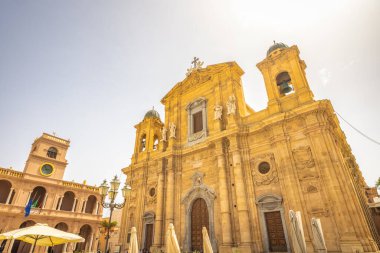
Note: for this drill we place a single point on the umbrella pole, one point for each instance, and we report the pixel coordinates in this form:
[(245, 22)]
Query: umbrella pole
[(34, 245)]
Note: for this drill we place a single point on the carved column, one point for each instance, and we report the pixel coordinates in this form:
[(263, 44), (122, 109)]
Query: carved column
[(224, 201), (60, 203), (241, 199), (170, 193), (84, 206), (91, 241), (9, 196), (64, 248), (158, 222), (44, 202), (11, 246), (74, 204)]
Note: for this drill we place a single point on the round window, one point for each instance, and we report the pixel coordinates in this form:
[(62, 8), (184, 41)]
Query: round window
[(264, 167), (152, 192)]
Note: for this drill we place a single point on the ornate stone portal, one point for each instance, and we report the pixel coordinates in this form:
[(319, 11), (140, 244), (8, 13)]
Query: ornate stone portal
[(269, 204), (198, 190)]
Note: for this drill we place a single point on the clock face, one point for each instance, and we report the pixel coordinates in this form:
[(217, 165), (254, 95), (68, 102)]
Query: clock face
[(46, 169)]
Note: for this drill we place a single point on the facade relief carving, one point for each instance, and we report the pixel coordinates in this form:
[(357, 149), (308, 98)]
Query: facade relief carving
[(304, 163), (270, 175), (303, 157)]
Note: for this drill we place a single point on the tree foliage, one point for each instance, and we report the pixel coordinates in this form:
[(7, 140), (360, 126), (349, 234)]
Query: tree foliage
[(378, 183), (106, 224)]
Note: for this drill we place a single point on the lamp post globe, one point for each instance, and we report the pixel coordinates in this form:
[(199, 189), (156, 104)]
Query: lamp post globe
[(112, 193)]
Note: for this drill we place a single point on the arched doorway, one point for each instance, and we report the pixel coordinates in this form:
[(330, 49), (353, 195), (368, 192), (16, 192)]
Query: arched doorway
[(68, 201), (5, 190), (59, 248), (199, 219), (148, 220), (199, 212), (19, 246), (86, 233)]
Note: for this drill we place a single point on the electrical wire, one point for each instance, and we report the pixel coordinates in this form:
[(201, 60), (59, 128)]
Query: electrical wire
[(357, 130)]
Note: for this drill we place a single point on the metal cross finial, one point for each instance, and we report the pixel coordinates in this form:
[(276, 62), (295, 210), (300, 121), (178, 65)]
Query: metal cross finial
[(54, 133), (274, 42), (195, 61)]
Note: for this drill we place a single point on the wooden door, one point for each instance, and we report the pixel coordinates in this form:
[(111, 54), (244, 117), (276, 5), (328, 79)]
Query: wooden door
[(199, 219), (276, 235), (148, 237)]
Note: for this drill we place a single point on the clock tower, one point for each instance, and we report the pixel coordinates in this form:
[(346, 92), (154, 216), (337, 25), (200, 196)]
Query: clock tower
[(47, 157)]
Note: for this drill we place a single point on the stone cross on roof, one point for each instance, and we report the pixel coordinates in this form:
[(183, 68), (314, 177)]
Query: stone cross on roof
[(196, 65)]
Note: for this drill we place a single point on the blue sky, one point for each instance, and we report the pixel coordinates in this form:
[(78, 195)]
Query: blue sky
[(88, 70)]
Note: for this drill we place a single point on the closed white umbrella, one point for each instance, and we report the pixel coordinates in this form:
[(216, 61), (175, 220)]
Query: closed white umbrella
[(133, 244), (207, 248), (172, 245), (41, 235)]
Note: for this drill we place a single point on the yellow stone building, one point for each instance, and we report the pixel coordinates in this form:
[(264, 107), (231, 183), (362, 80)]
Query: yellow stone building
[(68, 206), (215, 162)]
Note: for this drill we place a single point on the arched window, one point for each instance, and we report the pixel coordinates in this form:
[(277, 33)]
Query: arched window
[(91, 204), (283, 83), (143, 143), (155, 143), (68, 201), (52, 152), (38, 197), (5, 191)]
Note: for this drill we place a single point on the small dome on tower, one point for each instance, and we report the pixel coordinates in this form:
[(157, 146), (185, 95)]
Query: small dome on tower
[(275, 46), (152, 114)]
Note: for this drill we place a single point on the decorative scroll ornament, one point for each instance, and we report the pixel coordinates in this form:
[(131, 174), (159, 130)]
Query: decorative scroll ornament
[(172, 128), (231, 105), (196, 65), (218, 111)]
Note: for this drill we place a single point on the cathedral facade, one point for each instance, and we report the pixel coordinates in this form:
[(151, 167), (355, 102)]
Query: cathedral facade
[(214, 162)]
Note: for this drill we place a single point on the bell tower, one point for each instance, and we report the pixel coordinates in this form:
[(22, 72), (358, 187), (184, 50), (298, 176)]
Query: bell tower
[(285, 78), (47, 157), (148, 136)]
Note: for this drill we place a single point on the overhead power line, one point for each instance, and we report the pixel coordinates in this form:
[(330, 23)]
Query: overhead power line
[(357, 130)]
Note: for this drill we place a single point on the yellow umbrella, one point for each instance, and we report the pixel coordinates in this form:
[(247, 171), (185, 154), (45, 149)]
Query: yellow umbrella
[(41, 235), (133, 245), (207, 248), (171, 241)]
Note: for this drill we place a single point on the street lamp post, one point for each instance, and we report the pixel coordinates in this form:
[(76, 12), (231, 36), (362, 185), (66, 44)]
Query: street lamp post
[(104, 191)]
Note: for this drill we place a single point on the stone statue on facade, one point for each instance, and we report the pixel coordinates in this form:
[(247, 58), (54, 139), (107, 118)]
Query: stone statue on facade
[(218, 111), (231, 105), (164, 131), (172, 128)]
